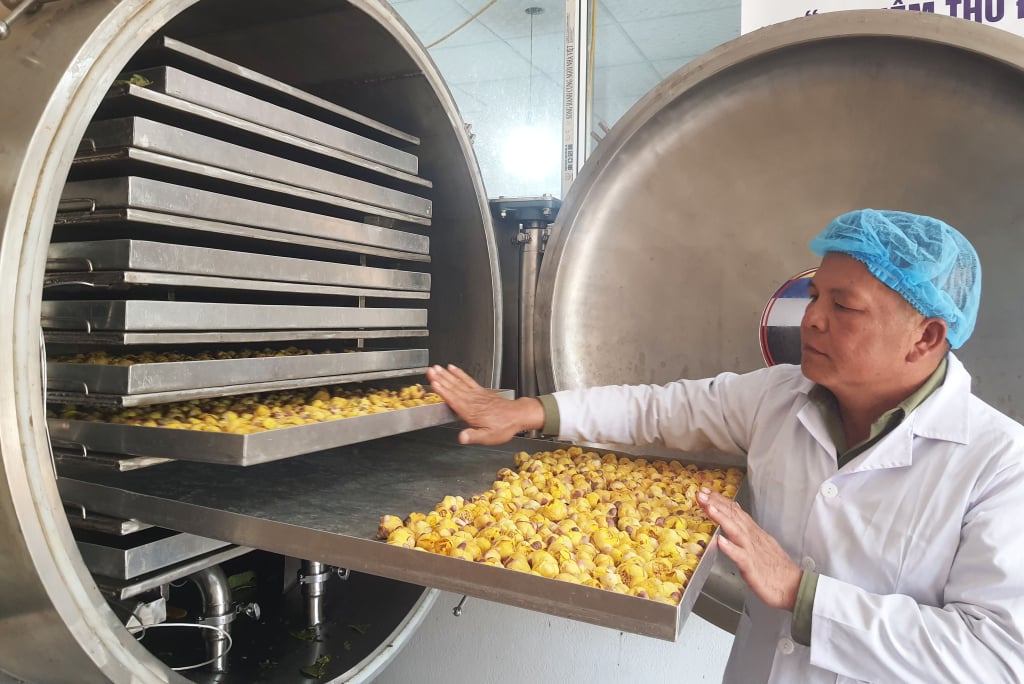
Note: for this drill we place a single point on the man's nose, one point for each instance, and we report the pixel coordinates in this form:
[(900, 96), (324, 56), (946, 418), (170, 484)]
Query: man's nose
[(813, 317)]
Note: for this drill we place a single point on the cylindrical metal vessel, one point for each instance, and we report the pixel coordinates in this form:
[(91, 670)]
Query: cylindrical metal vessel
[(56, 67)]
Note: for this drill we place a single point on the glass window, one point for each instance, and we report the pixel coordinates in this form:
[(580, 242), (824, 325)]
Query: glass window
[(503, 61), (504, 69), (639, 43)]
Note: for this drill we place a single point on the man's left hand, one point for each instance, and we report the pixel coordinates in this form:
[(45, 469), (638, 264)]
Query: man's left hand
[(764, 565)]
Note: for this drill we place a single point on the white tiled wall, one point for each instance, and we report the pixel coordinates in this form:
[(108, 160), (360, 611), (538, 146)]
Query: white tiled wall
[(503, 645)]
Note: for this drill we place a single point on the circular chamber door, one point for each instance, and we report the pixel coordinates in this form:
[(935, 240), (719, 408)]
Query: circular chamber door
[(60, 63), (700, 203)]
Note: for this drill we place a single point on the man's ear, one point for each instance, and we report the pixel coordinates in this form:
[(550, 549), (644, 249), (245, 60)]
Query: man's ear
[(931, 338)]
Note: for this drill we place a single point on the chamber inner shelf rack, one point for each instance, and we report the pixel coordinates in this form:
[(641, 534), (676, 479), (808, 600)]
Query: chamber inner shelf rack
[(223, 234)]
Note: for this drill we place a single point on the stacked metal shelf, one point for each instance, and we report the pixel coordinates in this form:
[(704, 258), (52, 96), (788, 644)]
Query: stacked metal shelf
[(210, 207)]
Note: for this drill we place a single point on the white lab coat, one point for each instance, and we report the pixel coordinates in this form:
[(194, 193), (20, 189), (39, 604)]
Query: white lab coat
[(919, 540)]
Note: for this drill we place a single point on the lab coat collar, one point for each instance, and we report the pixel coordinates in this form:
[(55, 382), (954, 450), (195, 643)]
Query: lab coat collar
[(812, 420), (942, 416)]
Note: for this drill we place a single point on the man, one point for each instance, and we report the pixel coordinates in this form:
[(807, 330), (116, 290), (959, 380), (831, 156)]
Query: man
[(883, 542)]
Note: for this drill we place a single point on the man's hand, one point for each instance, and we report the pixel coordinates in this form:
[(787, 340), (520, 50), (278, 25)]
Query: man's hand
[(491, 419), (764, 565)]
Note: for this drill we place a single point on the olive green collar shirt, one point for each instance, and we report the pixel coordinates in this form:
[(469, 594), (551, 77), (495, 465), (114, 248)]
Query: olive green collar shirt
[(886, 423)]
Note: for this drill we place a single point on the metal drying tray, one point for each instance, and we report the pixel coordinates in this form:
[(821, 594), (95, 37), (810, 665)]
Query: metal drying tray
[(150, 315), (81, 198), (119, 589), (144, 224), (151, 142), (132, 160), (76, 338), (130, 279), (143, 255), (150, 398), (133, 100), (179, 89), (79, 456), (142, 378), (170, 50), (334, 502), (244, 450), (81, 519), (141, 552)]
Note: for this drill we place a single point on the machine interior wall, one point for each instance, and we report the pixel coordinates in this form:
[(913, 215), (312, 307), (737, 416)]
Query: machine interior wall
[(348, 57)]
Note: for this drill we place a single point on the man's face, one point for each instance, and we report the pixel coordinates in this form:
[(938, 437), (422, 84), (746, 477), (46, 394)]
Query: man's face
[(856, 332)]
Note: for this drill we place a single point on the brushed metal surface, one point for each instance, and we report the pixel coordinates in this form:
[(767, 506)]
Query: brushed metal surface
[(141, 378), (98, 400), (81, 398), (84, 520), (141, 101), (154, 142), (178, 200), (193, 57), (185, 86), (145, 224), (142, 315), (144, 255), (161, 338), (122, 589), (243, 450), (702, 200), (140, 553), (76, 281)]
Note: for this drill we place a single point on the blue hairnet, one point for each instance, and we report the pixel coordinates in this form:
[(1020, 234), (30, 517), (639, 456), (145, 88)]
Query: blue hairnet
[(925, 260)]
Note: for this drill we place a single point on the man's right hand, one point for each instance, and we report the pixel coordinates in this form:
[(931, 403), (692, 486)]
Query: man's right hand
[(491, 419)]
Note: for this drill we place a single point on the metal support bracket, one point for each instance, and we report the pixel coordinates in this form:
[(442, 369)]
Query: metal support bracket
[(218, 620), (249, 610), (318, 578)]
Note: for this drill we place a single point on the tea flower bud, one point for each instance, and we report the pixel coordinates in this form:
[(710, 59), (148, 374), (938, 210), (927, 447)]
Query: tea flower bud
[(388, 524), (402, 536)]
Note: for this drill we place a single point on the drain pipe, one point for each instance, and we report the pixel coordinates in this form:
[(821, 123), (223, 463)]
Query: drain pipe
[(313, 578), (530, 240), (217, 611)]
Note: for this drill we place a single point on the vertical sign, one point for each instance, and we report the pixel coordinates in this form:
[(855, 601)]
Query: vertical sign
[(574, 89), (1004, 14)]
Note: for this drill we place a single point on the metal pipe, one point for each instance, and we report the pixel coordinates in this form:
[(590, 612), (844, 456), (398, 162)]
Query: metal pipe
[(531, 237), (216, 594), (313, 579)]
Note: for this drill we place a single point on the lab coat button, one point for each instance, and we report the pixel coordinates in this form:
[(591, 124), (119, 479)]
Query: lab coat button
[(786, 646), (829, 490), (807, 563)]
